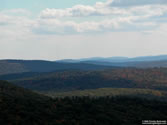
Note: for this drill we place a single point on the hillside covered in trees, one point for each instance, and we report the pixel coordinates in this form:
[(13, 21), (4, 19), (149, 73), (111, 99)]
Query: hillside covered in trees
[(19, 106), (22, 66), (95, 96), (152, 78)]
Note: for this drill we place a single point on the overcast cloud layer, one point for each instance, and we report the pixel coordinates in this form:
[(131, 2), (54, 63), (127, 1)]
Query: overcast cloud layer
[(145, 18)]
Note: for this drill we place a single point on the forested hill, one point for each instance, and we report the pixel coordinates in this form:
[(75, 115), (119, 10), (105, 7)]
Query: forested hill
[(23, 107), (19, 66), (10, 68), (153, 78)]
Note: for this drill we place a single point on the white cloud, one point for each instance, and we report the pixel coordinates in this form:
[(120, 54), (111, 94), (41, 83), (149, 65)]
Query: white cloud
[(110, 18), (154, 7), (81, 11), (76, 11), (14, 27), (141, 31), (149, 10), (53, 26)]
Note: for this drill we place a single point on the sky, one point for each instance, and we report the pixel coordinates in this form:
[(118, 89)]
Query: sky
[(71, 29)]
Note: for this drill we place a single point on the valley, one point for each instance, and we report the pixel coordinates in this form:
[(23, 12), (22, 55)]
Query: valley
[(61, 93)]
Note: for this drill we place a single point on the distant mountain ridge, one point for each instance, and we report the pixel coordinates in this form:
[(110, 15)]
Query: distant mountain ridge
[(95, 63), (20, 66), (118, 59), (139, 62)]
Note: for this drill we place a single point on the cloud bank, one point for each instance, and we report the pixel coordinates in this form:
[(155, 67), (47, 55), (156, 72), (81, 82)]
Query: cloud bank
[(111, 28), (109, 16)]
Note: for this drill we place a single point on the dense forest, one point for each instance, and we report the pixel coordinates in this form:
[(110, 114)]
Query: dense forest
[(112, 92), (152, 78), (74, 96), (19, 106)]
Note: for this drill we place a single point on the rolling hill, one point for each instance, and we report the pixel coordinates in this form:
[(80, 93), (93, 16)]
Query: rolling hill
[(23, 107), (137, 64), (152, 78), (38, 66), (20, 66), (10, 68)]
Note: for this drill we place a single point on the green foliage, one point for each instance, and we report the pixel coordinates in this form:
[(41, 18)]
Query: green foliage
[(23, 107)]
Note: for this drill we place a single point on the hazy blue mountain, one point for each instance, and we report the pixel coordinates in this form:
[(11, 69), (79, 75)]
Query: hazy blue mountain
[(138, 64), (119, 59), (95, 63), (108, 59), (67, 61), (20, 66), (149, 58)]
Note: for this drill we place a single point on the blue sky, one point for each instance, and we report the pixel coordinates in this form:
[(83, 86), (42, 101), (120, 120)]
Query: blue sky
[(61, 29), (38, 5)]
